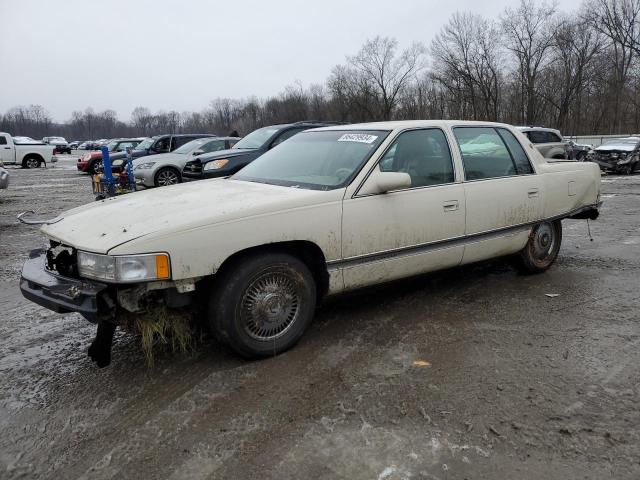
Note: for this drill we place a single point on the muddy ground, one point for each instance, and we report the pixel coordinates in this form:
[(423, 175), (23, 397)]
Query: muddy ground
[(517, 385)]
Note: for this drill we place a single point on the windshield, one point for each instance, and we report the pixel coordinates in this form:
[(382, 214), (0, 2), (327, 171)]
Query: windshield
[(315, 160), (145, 144), (192, 145), (112, 146), (257, 138)]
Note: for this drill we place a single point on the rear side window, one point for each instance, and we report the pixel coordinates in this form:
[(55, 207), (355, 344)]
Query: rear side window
[(213, 146), (523, 166), (179, 141), (423, 154)]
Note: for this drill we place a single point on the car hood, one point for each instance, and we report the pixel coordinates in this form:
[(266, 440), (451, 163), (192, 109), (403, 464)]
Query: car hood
[(101, 226), (232, 152), (161, 157), (617, 147)]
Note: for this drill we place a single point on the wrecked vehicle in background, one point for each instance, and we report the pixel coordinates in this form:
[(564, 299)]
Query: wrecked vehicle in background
[(330, 210), (618, 156), (579, 151)]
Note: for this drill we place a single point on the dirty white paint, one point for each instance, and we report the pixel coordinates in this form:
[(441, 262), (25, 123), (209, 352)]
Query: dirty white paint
[(201, 224)]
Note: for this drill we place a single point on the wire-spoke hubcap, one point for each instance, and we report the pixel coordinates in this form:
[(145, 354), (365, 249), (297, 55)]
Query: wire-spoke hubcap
[(167, 177), (543, 241), (270, 306)]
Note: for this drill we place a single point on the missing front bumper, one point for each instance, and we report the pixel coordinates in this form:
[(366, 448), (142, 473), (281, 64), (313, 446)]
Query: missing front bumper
[(57, 293)]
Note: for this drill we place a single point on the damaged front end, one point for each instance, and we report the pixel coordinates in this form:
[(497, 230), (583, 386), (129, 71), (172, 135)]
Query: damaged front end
[(66, 280), (615, 161)]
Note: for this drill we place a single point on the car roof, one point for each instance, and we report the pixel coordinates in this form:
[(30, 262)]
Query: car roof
[(403, 124), (539, 129)]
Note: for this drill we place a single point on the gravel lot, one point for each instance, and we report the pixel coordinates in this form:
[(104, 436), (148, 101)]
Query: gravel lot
[(510, 383)]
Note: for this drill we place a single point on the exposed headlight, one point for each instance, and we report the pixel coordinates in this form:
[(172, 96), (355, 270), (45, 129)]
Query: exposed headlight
[(216, 164), (143, 166), (124, 269)]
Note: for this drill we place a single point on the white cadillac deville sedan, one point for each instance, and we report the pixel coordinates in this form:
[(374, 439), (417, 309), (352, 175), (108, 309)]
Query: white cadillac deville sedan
[(329, 210)]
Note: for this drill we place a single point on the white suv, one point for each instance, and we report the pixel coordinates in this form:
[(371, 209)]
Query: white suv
[(547, 141)]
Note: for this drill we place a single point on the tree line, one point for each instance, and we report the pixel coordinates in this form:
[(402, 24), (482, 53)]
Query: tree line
[(533, 65)]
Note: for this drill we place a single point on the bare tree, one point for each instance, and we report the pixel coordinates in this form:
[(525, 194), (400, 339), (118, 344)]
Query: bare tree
[(466, 56), (528, 35), (374, 78)]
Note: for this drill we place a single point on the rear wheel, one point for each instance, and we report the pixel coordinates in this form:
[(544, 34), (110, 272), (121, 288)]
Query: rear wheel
[(166, 176), (542, 248), (31, 162), (262, 304)]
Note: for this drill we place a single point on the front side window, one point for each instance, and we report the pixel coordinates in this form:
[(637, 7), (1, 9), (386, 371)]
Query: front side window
[(317, 160), (484, 154), (3, 140), (423, 154), (162, 145)]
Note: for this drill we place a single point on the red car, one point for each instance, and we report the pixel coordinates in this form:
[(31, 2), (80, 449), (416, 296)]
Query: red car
[(93, 159)]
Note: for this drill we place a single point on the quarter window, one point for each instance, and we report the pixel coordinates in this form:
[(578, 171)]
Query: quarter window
[(484, 154), (423, 154), (523, 166)]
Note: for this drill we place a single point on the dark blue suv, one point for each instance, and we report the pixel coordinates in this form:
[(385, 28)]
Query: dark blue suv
[(227, 162)]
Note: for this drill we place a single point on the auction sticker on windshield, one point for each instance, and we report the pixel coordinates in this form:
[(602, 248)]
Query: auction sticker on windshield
[(358, 137)]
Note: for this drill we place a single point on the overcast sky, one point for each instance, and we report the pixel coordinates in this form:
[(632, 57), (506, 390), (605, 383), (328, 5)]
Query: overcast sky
[(178, 55)]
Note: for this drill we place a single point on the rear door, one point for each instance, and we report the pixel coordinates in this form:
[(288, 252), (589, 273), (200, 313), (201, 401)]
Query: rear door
[(502, 190)]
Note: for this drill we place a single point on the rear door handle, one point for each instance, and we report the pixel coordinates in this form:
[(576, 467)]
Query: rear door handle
[(450, 205), (533, 193)]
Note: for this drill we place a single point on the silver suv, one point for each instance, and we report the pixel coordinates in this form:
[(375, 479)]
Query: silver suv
[(547, 141)]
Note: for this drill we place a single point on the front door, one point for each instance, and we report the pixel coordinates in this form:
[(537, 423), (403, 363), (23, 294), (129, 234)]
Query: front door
[(411, 231)]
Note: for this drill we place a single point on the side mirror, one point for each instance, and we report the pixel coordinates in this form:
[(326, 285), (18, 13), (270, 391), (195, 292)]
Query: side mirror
[(197, 152), (389, 181)]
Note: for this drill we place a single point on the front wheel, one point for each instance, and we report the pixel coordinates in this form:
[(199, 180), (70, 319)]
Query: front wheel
[(262, 304), (542, 248), (166, 176)]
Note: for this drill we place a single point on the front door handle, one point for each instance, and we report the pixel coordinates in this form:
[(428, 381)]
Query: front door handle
[(7, 148), (450, 205), (533, 193)]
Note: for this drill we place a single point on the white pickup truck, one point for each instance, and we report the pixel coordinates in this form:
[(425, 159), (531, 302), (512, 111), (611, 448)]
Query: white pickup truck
[(29, 155)]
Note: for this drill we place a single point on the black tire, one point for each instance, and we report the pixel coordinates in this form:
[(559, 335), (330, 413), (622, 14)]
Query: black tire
[(95, 166), (31, 162), (542, 248), (167, 176), (262, 304)]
